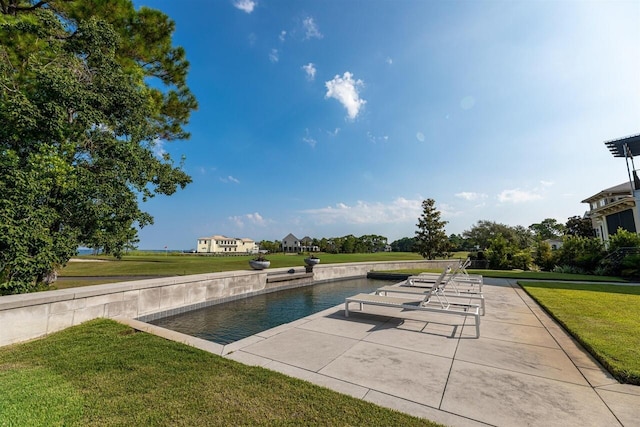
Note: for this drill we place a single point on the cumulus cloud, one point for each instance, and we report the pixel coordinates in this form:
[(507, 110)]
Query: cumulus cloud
[(253, 218), (311, 30), (283, 35), (310, 70), (345, 90), (399, 210), (273, 55), (157, 146), (518, 196), (471, 196), (420, 136), (256, 218), (245, 5)]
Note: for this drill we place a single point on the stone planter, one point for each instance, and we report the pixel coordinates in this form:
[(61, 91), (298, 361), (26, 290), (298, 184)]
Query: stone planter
[(259, 265), (312, 261)]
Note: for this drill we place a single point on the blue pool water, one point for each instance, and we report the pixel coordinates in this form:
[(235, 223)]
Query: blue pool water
[(232, 321)]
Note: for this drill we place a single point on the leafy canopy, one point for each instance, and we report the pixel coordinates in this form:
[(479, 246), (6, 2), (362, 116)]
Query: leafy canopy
[(89, 90)]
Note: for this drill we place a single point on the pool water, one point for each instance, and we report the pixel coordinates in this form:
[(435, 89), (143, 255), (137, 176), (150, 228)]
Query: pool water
[(232, 321)]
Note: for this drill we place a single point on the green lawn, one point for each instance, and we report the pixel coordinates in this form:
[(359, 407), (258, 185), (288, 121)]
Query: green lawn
[(520, 275), (183, 264), (104, 373), (175, 264), (605, 319)]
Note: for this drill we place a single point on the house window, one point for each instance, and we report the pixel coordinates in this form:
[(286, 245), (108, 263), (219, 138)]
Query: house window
[(602, 202)]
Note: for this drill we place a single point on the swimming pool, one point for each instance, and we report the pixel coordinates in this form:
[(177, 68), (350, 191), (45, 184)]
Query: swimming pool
[(232, 321)]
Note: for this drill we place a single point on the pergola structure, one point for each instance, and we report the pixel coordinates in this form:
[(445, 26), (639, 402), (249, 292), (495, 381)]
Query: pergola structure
[(627, 147)]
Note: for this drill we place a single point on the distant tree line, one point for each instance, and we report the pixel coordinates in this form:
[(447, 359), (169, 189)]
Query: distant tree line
[(348, 244), (547, 245)]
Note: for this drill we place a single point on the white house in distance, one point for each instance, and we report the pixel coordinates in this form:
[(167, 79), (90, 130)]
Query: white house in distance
[(617, 207), (226, 245)]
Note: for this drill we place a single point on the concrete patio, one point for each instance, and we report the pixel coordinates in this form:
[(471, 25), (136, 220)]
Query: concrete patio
[(524, 370)]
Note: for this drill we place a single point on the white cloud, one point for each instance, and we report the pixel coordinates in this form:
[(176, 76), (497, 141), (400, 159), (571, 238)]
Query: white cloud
[(256, 218), (447, 210), (471, 196), (546, 183), (283, 35), (333, 132), (237, 220), (345, 90), (389, 61), (311, 29), (273, 56), (253, 218), (420, 136), (245, 5), (230, 179), (157, 146), (398, 211), (308, 139), (310, 69), (376, 139), (518, 196)]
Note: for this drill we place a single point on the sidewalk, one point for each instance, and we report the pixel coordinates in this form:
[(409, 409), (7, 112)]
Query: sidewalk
[(523, 371)]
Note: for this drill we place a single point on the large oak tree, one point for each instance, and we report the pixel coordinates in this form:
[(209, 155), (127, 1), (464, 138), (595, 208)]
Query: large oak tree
[(88, 90)]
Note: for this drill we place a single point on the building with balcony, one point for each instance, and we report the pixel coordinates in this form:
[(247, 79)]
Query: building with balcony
[(613, 208), (226, 245), (617, 207)]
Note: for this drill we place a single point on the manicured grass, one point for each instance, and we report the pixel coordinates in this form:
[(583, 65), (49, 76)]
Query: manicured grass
[(183, 264), (105, 373), (521, 275), (603, 318)]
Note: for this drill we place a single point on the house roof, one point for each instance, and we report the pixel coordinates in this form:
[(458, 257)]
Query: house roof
[(624, 188), (290, 236), (617, 146)]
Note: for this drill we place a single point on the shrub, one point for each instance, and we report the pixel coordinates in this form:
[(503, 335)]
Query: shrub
[(521, 260), (569, 269), (631, 265), (583, 253), (498, 253), (543, 256), (623, 239)]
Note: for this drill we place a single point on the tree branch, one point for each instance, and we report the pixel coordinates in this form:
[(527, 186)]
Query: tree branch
[(13, 8)]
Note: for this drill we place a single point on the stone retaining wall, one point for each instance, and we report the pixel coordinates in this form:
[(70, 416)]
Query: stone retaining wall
[(27, 316)]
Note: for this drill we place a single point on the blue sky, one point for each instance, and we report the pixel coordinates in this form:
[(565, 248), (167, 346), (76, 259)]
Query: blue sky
[(327, 118)]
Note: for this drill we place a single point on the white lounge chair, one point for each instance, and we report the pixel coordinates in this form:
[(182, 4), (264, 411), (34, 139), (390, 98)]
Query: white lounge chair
[(434, 300), (447, 289), (461, 281)]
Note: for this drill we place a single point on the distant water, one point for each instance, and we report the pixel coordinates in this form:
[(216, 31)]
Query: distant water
[(87, 251), (232, 321)]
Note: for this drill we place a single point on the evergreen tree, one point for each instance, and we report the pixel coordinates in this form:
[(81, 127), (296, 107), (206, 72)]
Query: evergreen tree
[(431, 239)]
